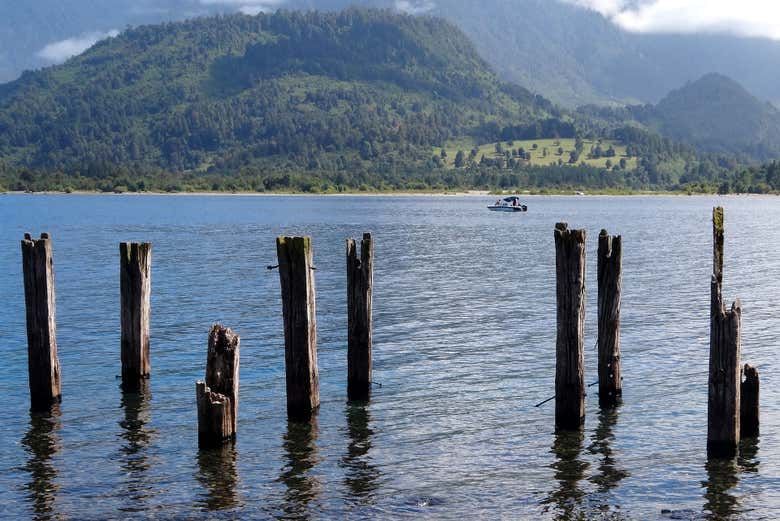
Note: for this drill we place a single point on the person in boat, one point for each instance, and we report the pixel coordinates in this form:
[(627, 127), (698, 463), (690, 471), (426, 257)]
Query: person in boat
[(498, 202)]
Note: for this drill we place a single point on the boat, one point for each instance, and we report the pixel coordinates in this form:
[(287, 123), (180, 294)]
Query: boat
[(508, 204)]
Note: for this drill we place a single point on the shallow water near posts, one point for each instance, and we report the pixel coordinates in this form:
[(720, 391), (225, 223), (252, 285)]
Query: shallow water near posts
[(464, 347)]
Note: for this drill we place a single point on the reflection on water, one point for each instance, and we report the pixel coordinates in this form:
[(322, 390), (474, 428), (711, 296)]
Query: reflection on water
[(569, 472), (361, 476), (719, 501), (610, 474), (748, 453), (218, 473), (41, 443), (300, 452), (136, 436)]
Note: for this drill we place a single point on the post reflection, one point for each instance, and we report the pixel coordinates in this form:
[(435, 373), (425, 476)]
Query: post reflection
[(218, 473), (300, 451), (41, 443), (748, 455), (610, 474), (137, 436), (719, 502), (361, 476), (569, 472)]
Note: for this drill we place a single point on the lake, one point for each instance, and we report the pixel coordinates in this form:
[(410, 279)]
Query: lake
[(464, 347)]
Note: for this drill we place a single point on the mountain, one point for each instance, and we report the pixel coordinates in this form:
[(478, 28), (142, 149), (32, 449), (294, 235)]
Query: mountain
[(568, 54), (715, 113), (284, 92), (576, 56)]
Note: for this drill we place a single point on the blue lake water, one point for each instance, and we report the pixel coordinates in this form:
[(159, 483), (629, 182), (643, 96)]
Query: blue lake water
[(464, 346)]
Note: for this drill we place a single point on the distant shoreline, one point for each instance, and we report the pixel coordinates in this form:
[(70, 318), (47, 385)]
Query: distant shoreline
[(464, 193)]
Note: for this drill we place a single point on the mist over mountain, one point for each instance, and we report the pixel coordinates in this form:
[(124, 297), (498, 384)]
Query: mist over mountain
[(571, 55)]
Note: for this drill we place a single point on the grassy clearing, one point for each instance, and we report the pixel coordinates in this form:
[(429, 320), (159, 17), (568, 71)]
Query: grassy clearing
[(544, 152)]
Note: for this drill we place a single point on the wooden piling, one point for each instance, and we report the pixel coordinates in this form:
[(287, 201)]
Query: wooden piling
[(135, 266), (723, 409), (749, 404), (610, 266), (40, 304), (296, 274), (360, 280), (218, 395), (570, 372)]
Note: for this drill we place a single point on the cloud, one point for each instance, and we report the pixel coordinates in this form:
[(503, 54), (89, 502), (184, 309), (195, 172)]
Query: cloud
[(251, 7), (58, 52), (414, 6), (745, 18)]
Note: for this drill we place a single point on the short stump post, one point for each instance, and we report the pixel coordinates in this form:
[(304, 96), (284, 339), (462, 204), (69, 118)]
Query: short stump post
[(218, 395), (749, 403)]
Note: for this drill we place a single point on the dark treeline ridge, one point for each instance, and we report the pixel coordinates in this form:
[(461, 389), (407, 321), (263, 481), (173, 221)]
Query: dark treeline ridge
[(708, 177)]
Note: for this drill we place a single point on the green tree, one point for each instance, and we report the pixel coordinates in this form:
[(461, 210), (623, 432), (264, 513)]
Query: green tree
[(460, 159)]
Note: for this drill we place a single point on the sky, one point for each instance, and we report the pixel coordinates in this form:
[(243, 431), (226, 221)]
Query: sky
[(759, 18)]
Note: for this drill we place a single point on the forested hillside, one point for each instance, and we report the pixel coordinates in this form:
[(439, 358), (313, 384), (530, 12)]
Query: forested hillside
[(345, 91), (308, 101), (715, 114), (181, 95)]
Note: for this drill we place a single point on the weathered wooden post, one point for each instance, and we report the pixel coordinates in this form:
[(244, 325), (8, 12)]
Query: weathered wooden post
[(40, 304), (296, 274), (218, 395), (749, 405), (725, 373), (570, 358), (610, 266), (135, 277), (360, 280)]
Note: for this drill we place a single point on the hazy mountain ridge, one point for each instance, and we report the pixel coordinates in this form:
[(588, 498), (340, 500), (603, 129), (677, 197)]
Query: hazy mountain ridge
[(567, 54), (713, 113)]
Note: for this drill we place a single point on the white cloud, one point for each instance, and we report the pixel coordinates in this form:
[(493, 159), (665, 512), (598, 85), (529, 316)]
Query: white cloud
[(744, 18), (58, 52), (251, 7), (414, 6)]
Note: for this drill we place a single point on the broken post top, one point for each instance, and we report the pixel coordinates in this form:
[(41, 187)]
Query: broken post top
[(28, 238), (222, 360), (131, 250), (717, 235), (222, 340), (562, 230), (294, 244), (609, 246), (366, 249)]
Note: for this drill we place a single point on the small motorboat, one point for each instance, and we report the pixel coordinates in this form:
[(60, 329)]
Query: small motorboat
[(508, 204)]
